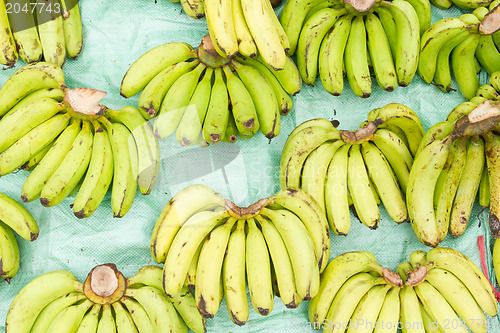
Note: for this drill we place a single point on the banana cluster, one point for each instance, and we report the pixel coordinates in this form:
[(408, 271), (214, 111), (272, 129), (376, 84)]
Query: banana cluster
[(205, 98), (470, 42), (106, 302), (42, 29), (342, 169), (464, 152), (465, 4), (278, 245), (73, 145), (13, 218), (354, 38), (442, 288)]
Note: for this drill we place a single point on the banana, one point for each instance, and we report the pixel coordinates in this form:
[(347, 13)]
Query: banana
[(191, 274), (141, 319), (429, 325), (484, 188), (185, 305), (401, 116), (32, 143), (36, 180), (380, 53), (488, 92), (221, 26), (209, 270), (193, 8), (54, 71), (331, 56), (271, 15), (258, 266), (284, 100), (468, 186), (264, 99), (356, 59), (262, 25), (51, 32), (399, 133), (150, 64), (470, 4), (9, 253), (336, 192), (433, 40), (467, 272), (107, 321), (410, 306), (347, 298), (389, 313), (155, 91), (423, 10), (381, 174), (243, 108), (389, 24), (90, 320), (21, 84), (368, 309), (492, 146), (124, 321), (8, 55), (495, 81), (54, 308), (458, 112), (70, 318), (309, 212), (281, 263), (51, 93), (184, 246), (71, 170), (298, 146), (33, 162), (36, 295), (217, 116), (312, 35), (460, 299), (192, 121), (447, 186), (420, 193), (160, 311), (397, 154), (233, 273), (462, 58), (246, 45), (72, 23), (124, 185), (488, 54), (175, 102), (408, 39), (289, 77), (177, 212), (437, 307), (360, 190), (443, 4), (496, 262), (300, 249), (315, 171), (18, 218), (148, 147), (442, 75), (25, 32)]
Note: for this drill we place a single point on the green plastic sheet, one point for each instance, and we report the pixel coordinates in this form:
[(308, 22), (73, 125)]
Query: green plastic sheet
[(116, 34)]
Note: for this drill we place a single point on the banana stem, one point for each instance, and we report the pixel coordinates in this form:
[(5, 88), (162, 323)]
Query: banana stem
[(361, 6), (84, 102), (491, 22), (417, 276), (362, 135), (249, 212), (105, 284), (208, 55), (481, 120)]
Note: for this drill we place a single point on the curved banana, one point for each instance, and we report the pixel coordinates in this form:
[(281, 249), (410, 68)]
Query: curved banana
[(389, 24), (389, 313), (368, 309), (246, 45), (410, 306), (139, 315), (462, 57), (487, 92), (35, 183), (107, 321), (150, 64), (70, 318), (18, 218), (36, 295), (9, 253), (24, 30), (51, 31), (50, 93), (423, 10), (90, 320), (217, 117), (492, 146), (221, 26), (289, 77), (124, 321), (8, 55), (488, 54), (73, 34), (71, 170), (194, 8), (234, 277), (484, 188), (49, 312)]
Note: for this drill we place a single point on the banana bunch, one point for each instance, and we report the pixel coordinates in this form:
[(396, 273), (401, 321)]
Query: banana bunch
[(13, 218), (342, 169), (356, 38), (442, 288), (105, 302), (470, 42), (279, 245), (41, 29), (205, 98), (72, 144), (464, 152)]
